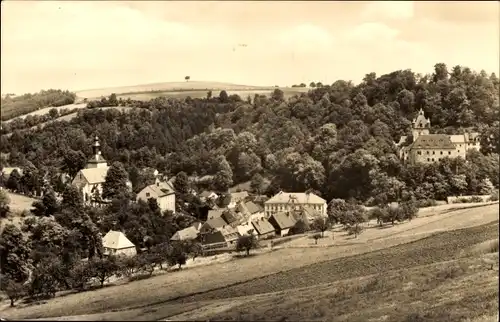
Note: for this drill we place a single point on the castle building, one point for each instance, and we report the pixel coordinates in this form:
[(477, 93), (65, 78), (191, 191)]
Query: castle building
[(424, 147), (90, 180)]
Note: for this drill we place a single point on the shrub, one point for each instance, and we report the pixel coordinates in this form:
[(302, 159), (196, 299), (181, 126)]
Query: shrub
[(423, 203), (13, 290), (494, 196), (316, 237), (355, 230), (300, 227)]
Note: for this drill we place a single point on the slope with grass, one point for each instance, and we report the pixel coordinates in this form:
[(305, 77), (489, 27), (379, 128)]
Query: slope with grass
[(272, 271)]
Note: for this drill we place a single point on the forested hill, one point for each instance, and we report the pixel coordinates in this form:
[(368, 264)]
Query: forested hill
[(337, 139)]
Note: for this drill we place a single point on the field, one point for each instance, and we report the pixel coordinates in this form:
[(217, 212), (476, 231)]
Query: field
[(46, 110), (231, 289)]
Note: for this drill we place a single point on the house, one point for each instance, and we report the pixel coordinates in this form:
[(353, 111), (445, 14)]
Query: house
[(208, 195), (263, 228), (116, 243), (225, 236), (237, 197), (188, 233), (89, 181), (284, 201), (282, 222), (424, 147), (212, 223), (162, 192), (230, 217), (309, 214), (246, 229)]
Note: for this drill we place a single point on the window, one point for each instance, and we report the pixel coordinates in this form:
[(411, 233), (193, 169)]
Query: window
[(432, 159), (427, 152), (449, 152), (433, 152), (460, 145), (428, 160), (147, 194), (419, 152), (441, 152), (458, 151)]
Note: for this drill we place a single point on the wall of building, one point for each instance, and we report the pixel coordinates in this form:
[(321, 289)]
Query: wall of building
[(275, 208), (167, 203), (431, 155)]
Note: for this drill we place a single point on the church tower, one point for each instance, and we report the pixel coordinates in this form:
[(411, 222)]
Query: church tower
[(97, 161), (420, 125)]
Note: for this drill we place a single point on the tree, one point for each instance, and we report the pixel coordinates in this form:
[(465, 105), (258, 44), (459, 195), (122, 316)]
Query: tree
[(278, 95), (316, 237), (14, 181), (246, 243), (48, 206), (209, 94), (73, 161), (257, 183), (223, 179), (223, 97), (312, 84), (177, 255), (14, 254), (187, 78), (116, 182), (321, 225), (71, 198), (355, 230), (53, 113), (181, 183), (4, 204), (14, 290), (103, 268), (112, 101)]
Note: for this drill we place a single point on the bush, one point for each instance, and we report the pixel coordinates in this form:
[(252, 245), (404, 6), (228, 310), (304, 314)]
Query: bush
[(355, 230), (300, 227), (494, 196), (13, 290), (80, 275), (423, 203)]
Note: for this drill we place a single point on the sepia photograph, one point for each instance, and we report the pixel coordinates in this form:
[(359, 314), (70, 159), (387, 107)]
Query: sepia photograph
[(250, 161)]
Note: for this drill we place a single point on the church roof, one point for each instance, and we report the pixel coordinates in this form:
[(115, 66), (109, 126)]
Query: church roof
[(420, 121), (95, 175), (98, 158), (116, 240)]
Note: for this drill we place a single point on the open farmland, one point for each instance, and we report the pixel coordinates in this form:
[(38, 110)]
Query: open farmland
[(272, 271), (165, 87), (46, 110)]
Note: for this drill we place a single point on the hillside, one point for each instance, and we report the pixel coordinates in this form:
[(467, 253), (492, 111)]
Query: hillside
[(193, 86), (269, 274)]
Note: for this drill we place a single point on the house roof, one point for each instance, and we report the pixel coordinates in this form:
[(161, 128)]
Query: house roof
[(215, 213), (245, 229), (284, 220), (252, 207), (433, 141), (237, 196), (158, 190), (229, 233), (185, 234), (216, 222), (95, 175), (229, 217), (97, 158), (206, 194), (116, 240), (262, 226), (197, 225), (464, 138), (298, 197)]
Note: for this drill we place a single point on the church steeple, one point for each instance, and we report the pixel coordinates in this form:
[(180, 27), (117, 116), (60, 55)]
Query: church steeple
[(97, 161), (420, 125)]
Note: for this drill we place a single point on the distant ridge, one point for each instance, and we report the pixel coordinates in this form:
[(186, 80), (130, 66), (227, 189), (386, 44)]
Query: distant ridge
[(167, 86)]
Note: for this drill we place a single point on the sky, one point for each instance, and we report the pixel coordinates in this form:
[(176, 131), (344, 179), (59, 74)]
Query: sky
[(79, 45)]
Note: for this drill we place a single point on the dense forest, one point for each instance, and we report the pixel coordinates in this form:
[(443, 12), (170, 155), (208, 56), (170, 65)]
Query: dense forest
[(336, 140), (13, 106)]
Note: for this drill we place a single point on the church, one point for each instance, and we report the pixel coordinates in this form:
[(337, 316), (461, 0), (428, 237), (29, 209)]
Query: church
[(424, 147), (89, 181)]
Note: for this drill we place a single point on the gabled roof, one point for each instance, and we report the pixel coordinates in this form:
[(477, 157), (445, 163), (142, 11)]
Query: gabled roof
[(229, 233), (464, 138), (252, 207), (245, 229), (237, 196), (216, 222), (158, 190), (95, 175), (262, 226), (116, 240), (215, 213), (297, 197), (284, 220), (185, 234), (433, 141)]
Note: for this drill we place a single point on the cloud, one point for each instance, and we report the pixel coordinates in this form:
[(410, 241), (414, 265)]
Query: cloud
[(396, 10), (371, 31), (305, 37)]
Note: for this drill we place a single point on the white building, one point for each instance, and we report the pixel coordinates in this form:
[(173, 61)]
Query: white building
[(116, 243), (285, 201), (89, 180), (162, 192)]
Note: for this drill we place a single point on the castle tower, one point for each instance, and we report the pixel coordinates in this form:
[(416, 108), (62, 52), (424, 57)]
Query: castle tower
[(420, 125), (97, 161)]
